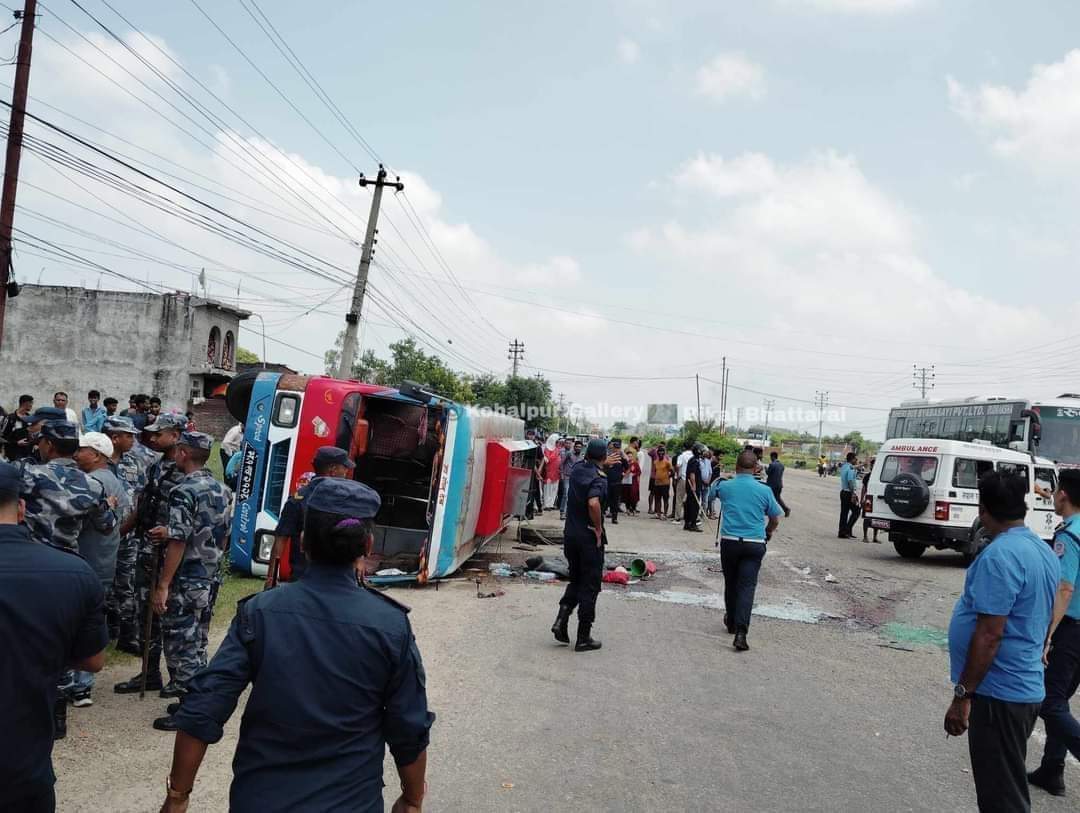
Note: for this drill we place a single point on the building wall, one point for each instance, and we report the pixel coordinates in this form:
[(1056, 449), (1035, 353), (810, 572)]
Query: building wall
[(118, 342)]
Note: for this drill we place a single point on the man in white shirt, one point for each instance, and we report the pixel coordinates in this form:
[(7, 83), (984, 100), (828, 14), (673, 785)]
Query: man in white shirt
[(230, 444), (680, 481), (60, 401)]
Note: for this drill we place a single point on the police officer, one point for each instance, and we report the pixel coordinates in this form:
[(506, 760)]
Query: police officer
[(131, 470), (195, 537), (749, 513), (34, 424), (583, 544), (1063, 644), (60, 499), (161, 436), (315, 727), (329, 461)]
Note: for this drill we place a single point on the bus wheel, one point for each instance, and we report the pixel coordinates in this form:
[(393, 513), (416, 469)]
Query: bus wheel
[(908, 549)]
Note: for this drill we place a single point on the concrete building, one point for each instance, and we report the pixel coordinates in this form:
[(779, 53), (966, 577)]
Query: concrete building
[(177, 346)]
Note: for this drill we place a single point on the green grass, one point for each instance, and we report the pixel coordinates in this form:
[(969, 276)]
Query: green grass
[(214, 463)]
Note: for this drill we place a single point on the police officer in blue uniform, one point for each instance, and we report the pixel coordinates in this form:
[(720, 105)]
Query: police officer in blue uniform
[(335, 678), (1063, 657), (583, 544), (749, 513)]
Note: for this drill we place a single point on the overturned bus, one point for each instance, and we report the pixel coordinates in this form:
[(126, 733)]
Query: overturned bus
[(451, 477)]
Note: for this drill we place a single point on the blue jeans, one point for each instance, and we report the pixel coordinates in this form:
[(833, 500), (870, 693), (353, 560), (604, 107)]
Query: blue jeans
[(73, 681), (1062, 680), (565, 494)]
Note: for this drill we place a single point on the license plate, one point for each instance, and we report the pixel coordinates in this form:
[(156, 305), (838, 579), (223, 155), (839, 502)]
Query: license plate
[(880, 523)]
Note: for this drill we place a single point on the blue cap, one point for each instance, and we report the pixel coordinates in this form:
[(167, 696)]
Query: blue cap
[(331, 455), (118, 423), (336, 495), (167, 420), (47, 414), (197, 440), (10, 481), (60, 430)]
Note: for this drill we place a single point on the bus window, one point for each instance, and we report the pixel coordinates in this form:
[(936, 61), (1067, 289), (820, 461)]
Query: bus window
[(347, 423), (1046, 478), (951, 429), (972, 428), (1000, 436), (968, 472), (896, 428), (1017, 430)]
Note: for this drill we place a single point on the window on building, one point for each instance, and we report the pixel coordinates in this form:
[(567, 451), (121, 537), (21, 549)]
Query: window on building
[(212, 346), (228, 351)]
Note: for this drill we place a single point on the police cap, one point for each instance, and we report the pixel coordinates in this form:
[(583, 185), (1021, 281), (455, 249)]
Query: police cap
[(60, 430), (10, 482), (167, 420), (596, 450), (336, 495), (118, 423), (47, 414), (197, 440), (332, 455)]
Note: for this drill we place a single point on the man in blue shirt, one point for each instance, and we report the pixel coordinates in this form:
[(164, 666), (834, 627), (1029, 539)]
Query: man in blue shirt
[(53, 611), (93, 416), (996, 640), (749, 514), (849, 497), (1063, 644)]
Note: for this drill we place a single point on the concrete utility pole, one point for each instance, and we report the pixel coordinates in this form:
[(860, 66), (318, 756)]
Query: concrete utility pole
[(769, 404), (352, 318), (562, 411), (697, 388), (821, 400), (14, 149), (922, 378), (723, 396), (517, 351)]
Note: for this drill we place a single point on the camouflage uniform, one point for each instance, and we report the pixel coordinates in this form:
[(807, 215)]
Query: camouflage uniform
[(146, 456), (120, 600), (162, 478), (60, 499), (199, 514)]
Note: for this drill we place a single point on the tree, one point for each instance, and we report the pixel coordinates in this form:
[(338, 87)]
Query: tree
[(619, 427), (245, 356)]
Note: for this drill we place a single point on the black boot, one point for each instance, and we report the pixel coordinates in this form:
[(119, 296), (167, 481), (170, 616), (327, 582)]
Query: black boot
[(729, 625), (1050, 778), (585, 641), (560, 628), (740, 641), (60, 717), (133, 686)]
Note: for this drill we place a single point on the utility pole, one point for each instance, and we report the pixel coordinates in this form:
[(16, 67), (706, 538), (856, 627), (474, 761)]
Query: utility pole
[(352, 318), (517, 352), (14, 150), (821, 400), (562, 411), (723, 397), (769, 404), (922, 378), (697, 387)]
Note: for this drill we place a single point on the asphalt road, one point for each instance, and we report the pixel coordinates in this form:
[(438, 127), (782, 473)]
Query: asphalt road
[(838, 706)]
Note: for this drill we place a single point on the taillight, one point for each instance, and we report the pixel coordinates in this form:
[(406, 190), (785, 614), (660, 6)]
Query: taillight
[(868, 504), (941, 510)]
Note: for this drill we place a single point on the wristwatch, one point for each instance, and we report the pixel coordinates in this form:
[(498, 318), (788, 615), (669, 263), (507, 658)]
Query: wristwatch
[(960, 692)]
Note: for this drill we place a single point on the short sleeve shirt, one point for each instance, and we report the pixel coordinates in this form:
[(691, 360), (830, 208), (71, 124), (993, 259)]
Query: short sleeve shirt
[(1067, 547), (848, 477), (744, 504), (662, 471), (586, 482), (1016, 577), (199, 517)]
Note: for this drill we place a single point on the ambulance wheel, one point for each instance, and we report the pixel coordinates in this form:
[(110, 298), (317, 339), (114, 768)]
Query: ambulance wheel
[(908, 549), (979, 540)]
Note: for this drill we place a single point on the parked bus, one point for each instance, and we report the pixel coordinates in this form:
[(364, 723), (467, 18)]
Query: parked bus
[(450, 476), (1049, 428), (1059, 429)]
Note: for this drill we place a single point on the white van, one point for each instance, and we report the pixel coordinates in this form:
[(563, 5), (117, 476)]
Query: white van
[(925, 493)]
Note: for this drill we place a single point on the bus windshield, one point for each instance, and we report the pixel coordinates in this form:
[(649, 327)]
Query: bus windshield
[(1000, 422), (1060, 434)]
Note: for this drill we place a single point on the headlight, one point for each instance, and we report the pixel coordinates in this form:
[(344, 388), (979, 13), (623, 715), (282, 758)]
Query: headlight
[(287, 408), (266, 545)]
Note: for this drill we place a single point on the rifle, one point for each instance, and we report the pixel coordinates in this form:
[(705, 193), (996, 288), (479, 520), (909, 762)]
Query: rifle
[(275, 569), (149, 623)]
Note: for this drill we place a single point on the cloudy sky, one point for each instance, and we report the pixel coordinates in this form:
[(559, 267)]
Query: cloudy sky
[(826, 192)]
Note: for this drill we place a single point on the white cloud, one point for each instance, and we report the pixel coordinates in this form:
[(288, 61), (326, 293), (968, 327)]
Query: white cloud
[(628, 50), (857, 6), (728, 75), (1039, 124)]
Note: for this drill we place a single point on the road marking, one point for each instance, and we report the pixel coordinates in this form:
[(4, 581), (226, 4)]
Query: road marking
[(790, 610)]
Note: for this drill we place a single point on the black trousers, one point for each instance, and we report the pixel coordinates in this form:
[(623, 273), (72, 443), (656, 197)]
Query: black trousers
[(691, 509), (849, 513), (586, 561), (741, 562), (776, 493), (614, 497), (997, 741), (1062, 681), (44, 801)]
